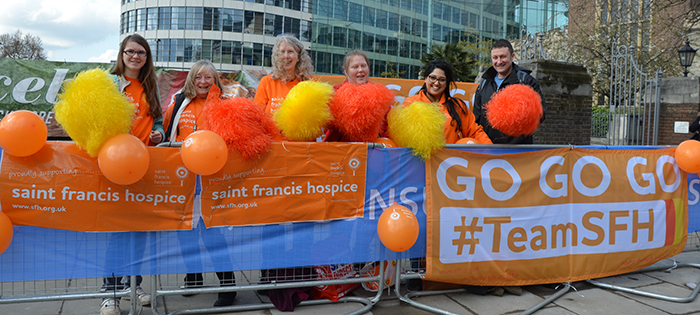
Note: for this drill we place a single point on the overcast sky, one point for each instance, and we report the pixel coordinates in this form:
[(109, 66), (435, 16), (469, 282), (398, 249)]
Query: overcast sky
[(70, 30)]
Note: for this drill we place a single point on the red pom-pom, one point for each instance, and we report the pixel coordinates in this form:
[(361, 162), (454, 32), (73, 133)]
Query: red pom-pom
[(242, 124), (359, 110), (515, 110)]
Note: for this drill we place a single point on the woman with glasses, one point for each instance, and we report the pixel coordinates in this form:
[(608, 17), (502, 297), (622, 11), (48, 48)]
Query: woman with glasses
[(136, 79), (439, 78)]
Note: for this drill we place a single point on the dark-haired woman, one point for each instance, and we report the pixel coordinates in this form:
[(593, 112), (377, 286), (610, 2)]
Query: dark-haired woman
[(439, 78)]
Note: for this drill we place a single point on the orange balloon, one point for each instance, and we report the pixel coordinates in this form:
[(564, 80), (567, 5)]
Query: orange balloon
[(5, 232), (22, 133), (204, 152), (123, 159), (688, 156), (468, 141), (387, 142), (398, 228)]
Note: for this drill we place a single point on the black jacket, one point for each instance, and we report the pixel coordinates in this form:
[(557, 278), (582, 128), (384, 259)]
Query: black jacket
[(488, 87)]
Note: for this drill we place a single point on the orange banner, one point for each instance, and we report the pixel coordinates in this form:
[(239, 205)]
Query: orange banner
[(552, 216), (405, 88), (295, 181), (61, 187)]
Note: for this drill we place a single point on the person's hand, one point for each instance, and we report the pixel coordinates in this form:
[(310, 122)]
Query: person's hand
[(156, 137)]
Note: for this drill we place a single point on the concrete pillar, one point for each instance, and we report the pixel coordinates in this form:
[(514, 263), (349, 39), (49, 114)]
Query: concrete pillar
[(680, 102)]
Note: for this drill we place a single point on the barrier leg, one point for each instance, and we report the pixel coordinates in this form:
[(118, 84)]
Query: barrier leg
[(407, 297), (687, 299), (548, 300)]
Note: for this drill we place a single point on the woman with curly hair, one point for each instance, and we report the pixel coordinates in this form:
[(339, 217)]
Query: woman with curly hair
[(291, 65)]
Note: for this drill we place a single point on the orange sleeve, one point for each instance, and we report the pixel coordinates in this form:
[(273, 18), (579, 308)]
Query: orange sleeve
[(407, 101), (470, 129), (167, 116), (261, 97)]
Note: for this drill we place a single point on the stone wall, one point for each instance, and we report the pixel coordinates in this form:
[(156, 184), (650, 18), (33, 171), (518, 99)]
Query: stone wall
[(680, 102), (567, 91)]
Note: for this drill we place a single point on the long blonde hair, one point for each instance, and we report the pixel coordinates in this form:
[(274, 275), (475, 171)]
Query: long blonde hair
[(189, 89), (303, 69)]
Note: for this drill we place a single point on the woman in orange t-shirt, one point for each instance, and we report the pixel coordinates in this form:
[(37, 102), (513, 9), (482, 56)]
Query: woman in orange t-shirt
[(186, 117), (183, 117), (291, 65), (137, 81), (461, 123)]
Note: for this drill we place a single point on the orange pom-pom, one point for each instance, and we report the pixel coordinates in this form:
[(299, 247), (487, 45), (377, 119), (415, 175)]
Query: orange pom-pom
[(359, 110), (515, 110), (242, 124)]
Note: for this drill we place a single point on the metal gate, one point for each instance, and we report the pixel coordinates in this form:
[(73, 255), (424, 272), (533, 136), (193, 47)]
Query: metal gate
[(633, 117)]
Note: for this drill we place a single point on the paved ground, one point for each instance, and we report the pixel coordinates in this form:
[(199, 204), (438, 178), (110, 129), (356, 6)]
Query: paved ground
[(586, 299)]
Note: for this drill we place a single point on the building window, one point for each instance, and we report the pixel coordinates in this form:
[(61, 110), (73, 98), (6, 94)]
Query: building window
[(322, 8), (270, 24), (141, 19), (257, 54), (416, 52), (238, 21), (338, 63), (163, 18), (392, 46), (267, 57), (354, 39), (194, 18), (253, 22), (339, 37), (208, 19), (340, 8), (370, 16), (382, 21), (306, 34), (227, 20), (152, 16), (216, 51), (132, 21), (237, 53), (355, 12), (177, 21), (393, 21), (368, 42)]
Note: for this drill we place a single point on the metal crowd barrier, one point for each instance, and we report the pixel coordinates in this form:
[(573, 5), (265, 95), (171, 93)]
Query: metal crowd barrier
[(168, 285)]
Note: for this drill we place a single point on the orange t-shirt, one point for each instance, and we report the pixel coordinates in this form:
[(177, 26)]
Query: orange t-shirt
[(190, 118), (470, 129), (271, 93), (143, 122)]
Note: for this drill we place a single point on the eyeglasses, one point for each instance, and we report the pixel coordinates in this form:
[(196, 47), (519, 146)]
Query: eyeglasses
[(131, 53), (434, 79)]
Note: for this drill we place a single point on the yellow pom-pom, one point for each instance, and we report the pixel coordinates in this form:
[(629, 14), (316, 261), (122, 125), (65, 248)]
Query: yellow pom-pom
[(92, 110), (418, 126), (305, 111)]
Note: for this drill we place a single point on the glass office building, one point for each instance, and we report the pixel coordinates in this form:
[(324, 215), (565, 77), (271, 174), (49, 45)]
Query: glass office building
[(238, 34)]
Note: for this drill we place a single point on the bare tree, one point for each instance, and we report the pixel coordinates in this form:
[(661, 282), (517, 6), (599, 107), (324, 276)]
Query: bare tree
[(655, 28), (21, 46)]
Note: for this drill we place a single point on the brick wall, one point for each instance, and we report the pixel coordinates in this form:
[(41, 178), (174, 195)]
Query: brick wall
[(567, 92)]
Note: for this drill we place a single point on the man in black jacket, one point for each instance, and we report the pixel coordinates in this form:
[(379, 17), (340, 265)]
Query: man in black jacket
[(504, 72)]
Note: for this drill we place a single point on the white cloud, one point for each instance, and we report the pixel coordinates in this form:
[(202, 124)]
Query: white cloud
[(64, 23), (106, 57)]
